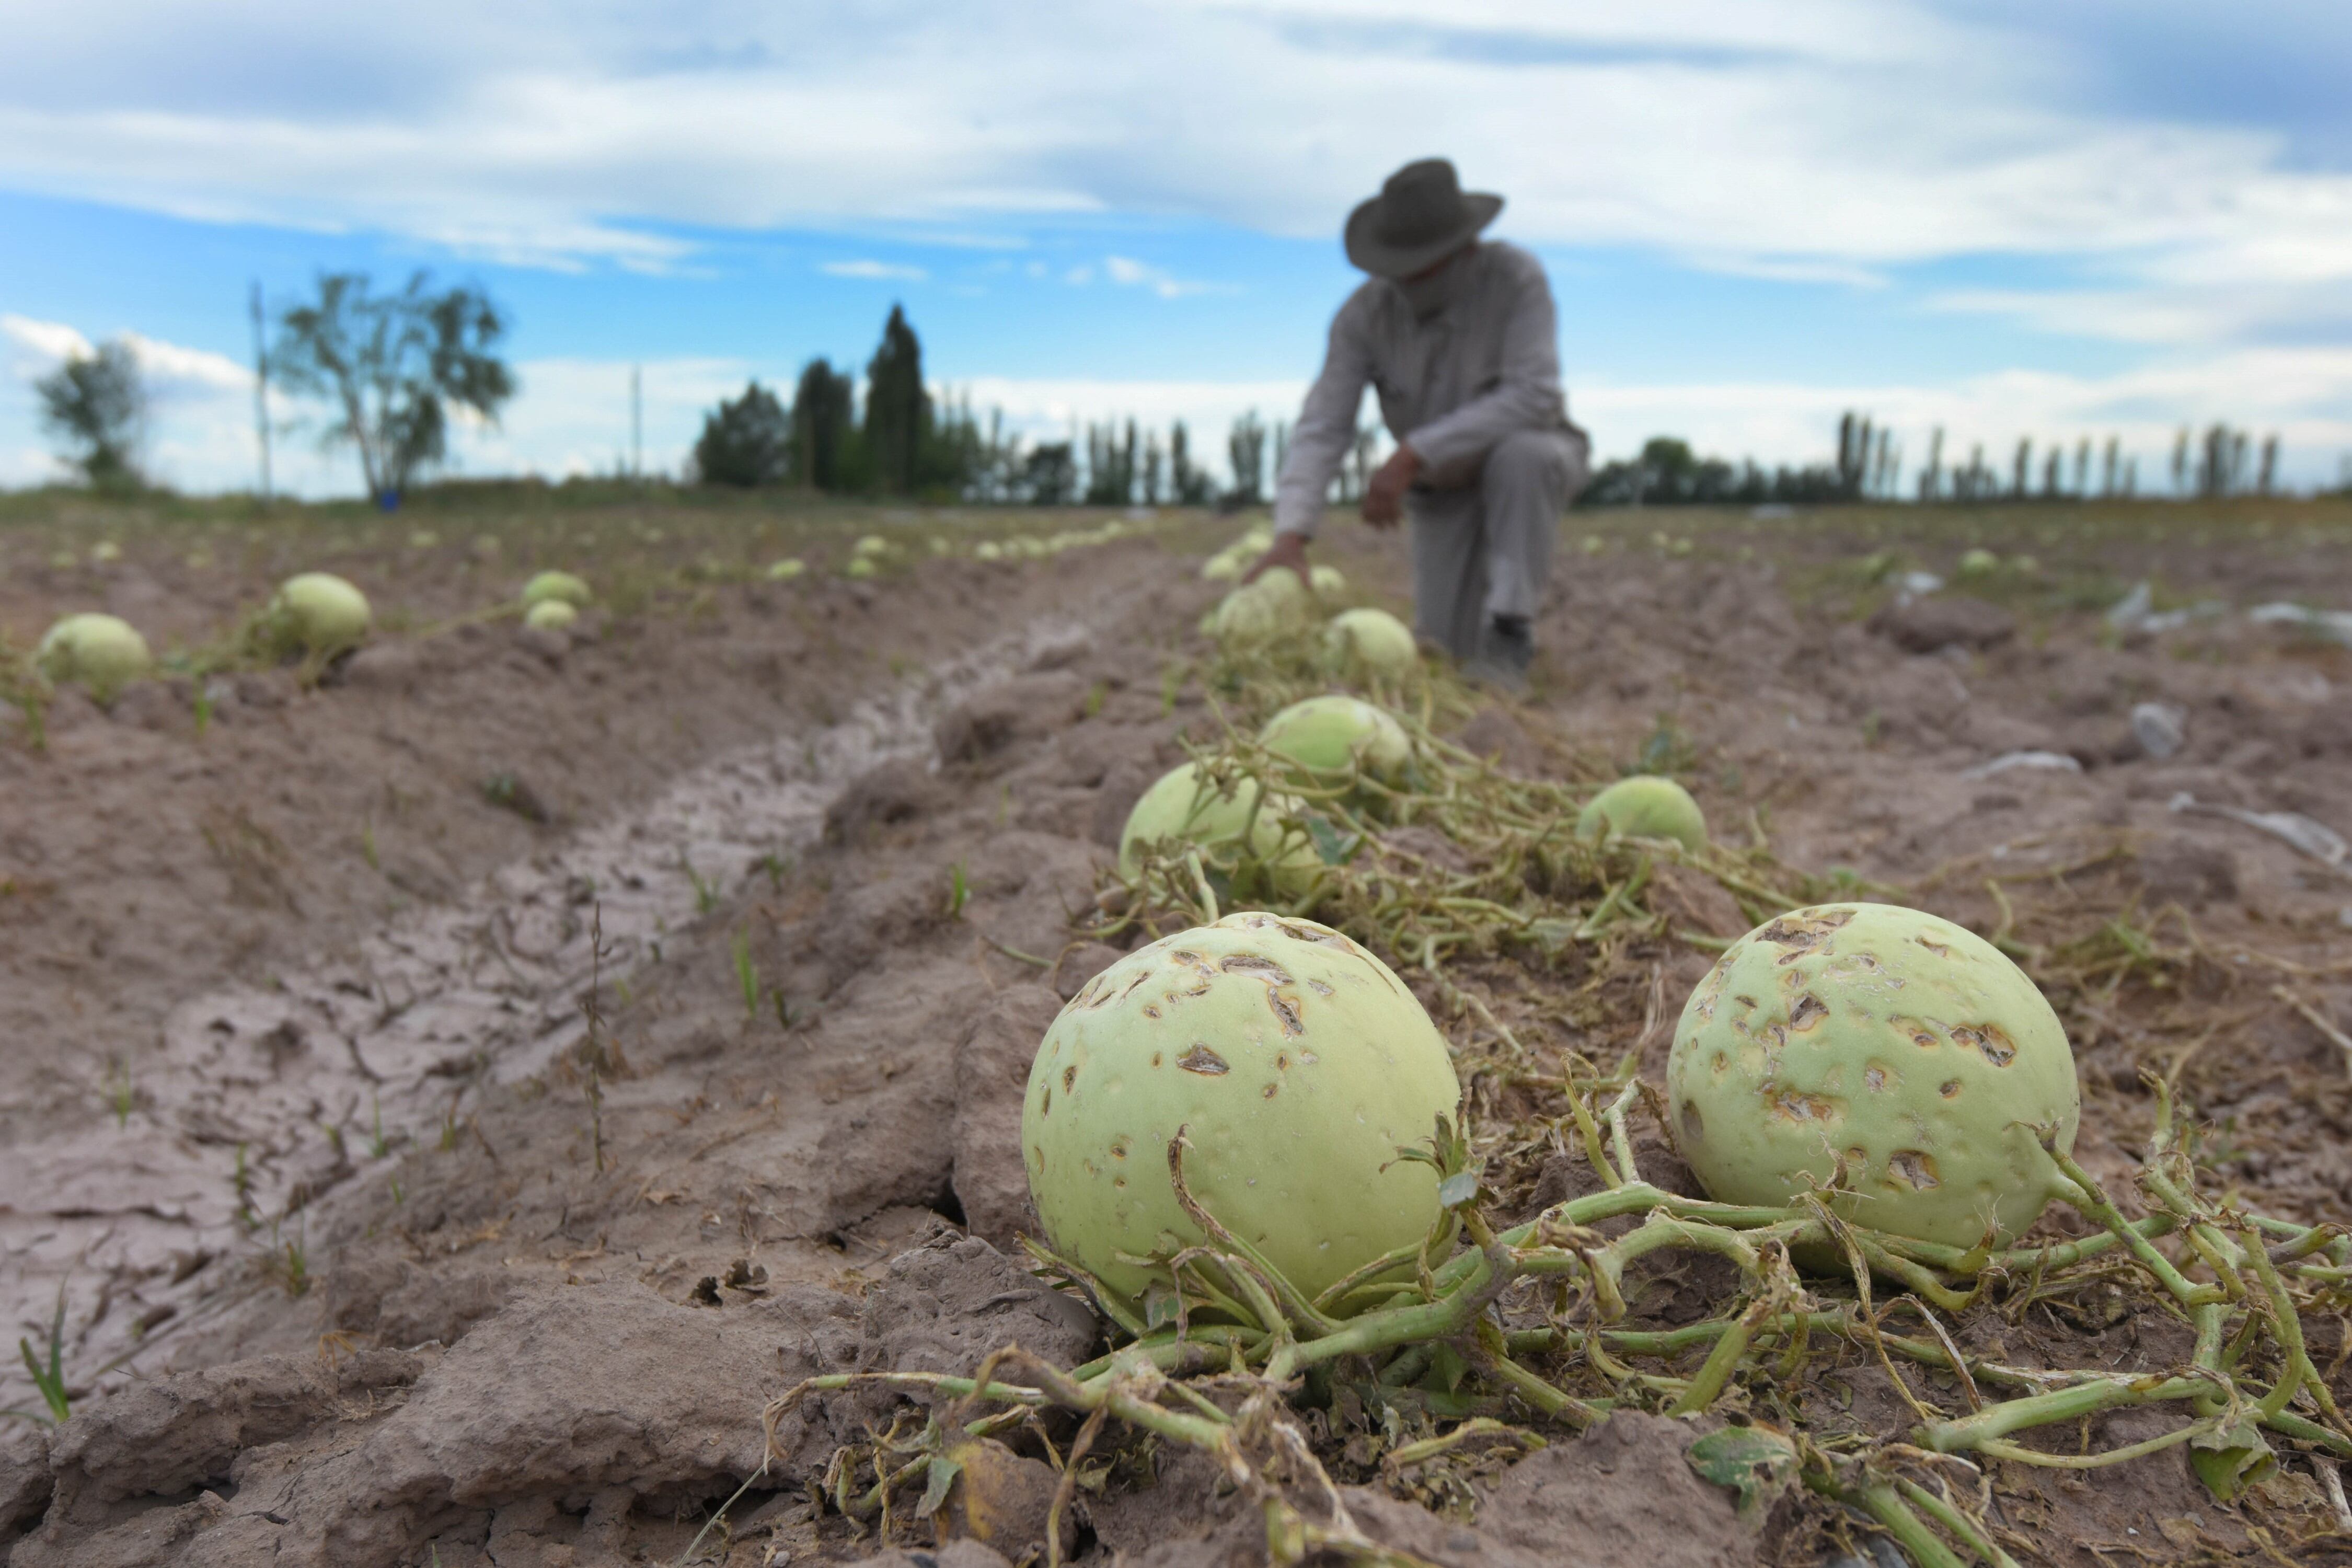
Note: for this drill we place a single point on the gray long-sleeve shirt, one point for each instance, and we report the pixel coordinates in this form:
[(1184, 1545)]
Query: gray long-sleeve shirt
[(1451, 387)]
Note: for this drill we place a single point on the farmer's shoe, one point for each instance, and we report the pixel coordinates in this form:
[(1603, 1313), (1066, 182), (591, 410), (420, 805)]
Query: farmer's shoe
[(1505, 647)]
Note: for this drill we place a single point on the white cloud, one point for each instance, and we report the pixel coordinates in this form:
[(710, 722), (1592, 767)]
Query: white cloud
[(875, 269), (1130, 273), (48, 341), (1814, 139)]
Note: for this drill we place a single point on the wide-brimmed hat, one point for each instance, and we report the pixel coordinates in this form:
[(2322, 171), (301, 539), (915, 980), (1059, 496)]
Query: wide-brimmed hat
[(1421, 216)]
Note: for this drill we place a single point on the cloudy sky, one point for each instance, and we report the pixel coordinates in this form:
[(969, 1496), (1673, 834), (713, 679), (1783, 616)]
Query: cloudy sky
[(2007, 218)]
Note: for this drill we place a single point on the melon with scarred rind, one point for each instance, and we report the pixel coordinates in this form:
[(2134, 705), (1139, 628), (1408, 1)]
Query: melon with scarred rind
[(1297, 1064), (1187, 805), (1645, 807), (1884, 1051)]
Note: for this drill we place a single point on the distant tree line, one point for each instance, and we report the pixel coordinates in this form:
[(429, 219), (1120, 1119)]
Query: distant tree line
[(1868, 465), (904, 442)]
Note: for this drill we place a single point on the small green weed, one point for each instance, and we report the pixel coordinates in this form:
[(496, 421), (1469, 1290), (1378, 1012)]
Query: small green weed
[(241, 1180), (367, 847), (121, 1098), (50, 1379), (705, 893), (959, 890), (747, 975)]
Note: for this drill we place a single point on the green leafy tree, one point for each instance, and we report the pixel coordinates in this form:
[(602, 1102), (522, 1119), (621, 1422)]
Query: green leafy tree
[(1051, 475), (746, 442), (898, 409), (393, 366), (94, 405), (822, 426)]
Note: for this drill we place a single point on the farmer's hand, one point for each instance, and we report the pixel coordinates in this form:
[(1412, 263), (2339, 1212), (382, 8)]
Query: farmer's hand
[(1384, 497), (1287, 550)]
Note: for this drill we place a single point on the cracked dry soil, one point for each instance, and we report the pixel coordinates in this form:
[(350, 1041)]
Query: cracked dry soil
[(547, 1279)]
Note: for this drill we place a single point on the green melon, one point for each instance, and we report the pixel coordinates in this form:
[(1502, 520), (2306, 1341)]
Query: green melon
[(1295, 1064), (551, 616), (1890, 1041), (1368, 645), (560, 587), (1645, 807), (1327, 740), (317, 613), (1186, 805), (103, 653)]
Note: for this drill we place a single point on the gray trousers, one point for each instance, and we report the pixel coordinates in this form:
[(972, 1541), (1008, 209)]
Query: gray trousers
[(1484, 549)]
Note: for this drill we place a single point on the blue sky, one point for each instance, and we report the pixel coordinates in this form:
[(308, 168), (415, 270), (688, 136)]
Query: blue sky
[(2008, 219)]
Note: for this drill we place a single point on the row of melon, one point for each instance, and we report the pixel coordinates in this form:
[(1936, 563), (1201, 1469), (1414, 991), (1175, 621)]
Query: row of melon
[(1335, 742), (312, 612)]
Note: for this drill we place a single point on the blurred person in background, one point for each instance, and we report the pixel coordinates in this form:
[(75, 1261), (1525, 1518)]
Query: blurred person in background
[(1457, 335)]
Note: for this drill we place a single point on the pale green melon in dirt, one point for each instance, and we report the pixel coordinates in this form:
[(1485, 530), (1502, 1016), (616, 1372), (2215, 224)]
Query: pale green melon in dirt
[(859, 567), (551, 616), (1980, 564), (560, 587), (1297, 1064), (1229, 564), (1188, 806), (871, 544), (101, 652), (1329, 583), (785, 570), (317, 612), (1895, 1041), (1329, 739), (1645, 807), (1368, 645), (1275, 605)]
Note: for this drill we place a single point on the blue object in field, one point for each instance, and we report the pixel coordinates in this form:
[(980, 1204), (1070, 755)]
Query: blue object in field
[(389, 500)]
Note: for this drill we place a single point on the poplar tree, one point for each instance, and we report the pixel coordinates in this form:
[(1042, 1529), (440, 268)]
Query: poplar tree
[(898, 409)]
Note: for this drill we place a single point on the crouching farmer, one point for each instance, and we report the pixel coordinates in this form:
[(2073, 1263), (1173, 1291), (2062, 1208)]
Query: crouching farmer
[(1458, 336)]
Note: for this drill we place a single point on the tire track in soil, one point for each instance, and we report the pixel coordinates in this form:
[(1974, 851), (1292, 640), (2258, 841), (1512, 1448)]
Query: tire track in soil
[(267, 1099)]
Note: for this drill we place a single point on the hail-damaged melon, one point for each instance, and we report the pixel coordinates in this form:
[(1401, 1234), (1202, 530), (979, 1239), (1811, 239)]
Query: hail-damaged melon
[(562, 587), (1882, 1051), (1188, 806), (101, 652), (1645, 807), (317, 612), (1368, 645), (1295, 1064), (1328, 739)]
